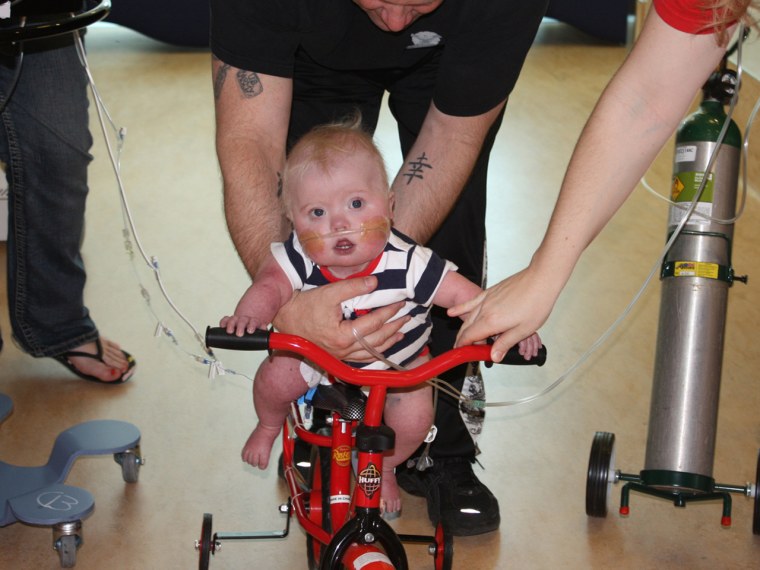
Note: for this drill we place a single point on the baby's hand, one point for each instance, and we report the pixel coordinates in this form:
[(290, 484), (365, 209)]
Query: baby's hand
[(239, 325), (528, 347)]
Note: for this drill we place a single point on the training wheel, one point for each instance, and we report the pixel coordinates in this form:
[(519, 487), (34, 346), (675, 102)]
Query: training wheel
[(206, 545), (601, 474), (756, 518), (444, 549)]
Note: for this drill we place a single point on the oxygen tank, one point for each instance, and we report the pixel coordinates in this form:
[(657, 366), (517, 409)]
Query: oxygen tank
[(695, 278)]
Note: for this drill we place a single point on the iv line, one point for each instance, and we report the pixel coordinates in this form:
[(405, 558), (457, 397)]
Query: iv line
[(215, 366), (152, 261)]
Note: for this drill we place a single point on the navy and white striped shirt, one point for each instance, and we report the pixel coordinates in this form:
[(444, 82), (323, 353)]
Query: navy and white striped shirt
[(405, 271)]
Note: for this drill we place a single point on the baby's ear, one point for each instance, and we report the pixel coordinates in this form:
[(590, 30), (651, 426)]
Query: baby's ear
[(391, 201)]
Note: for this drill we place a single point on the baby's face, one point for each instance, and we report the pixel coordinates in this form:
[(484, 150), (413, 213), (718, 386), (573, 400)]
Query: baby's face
[(342, 217)]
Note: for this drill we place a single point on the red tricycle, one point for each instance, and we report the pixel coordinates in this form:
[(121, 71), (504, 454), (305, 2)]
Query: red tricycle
[(336, 499)]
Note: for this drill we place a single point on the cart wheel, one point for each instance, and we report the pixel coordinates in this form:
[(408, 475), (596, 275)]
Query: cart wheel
[(130, 465), (601, 476), (444, 549), (67, 549), (756, 518), (205, 545), (319, 502)]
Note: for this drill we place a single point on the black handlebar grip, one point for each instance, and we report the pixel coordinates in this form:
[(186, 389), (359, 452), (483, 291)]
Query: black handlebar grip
[(514, 358), (217, 337)]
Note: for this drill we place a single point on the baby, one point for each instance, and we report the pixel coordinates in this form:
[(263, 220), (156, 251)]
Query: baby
[(336, 194)]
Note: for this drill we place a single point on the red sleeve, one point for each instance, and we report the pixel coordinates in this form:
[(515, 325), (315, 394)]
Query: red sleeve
[(690, 16)]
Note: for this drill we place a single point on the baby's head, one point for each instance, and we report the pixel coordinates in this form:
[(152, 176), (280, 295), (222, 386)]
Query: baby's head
[(336, 194)]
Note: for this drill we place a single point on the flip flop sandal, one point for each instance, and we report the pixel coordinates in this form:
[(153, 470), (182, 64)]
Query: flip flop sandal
[(126, 375)]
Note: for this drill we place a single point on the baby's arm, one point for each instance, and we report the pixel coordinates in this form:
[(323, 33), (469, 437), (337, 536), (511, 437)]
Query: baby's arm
[(456, 289), (261, 301)]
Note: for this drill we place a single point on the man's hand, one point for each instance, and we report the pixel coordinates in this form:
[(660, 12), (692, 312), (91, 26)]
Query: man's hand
[(316, 315), (512, 309)]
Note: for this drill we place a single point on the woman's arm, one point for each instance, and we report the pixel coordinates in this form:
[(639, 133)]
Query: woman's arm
[(636, 114)]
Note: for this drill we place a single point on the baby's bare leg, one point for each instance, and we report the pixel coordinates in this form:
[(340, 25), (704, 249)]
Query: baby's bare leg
[(278, 382), (410, 414)]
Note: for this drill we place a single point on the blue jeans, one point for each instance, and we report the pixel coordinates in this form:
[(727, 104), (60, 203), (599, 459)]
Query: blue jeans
[(44, 145)]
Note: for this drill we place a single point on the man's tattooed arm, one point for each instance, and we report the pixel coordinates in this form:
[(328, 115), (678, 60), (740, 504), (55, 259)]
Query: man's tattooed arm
[(416, 168), (248, 81)]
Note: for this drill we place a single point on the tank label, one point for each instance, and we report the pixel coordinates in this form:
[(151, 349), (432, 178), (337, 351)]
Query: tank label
[(686, 153), (686, 185), (696, 269)]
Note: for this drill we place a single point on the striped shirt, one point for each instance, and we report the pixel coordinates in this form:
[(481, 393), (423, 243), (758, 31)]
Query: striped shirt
[(405, 271)]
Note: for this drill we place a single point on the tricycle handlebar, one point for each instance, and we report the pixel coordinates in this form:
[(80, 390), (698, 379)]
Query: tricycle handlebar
[(217, 337)]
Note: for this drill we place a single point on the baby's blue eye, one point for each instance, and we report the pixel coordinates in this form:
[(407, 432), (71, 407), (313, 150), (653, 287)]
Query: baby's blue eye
[(356, 203), (317, 212)]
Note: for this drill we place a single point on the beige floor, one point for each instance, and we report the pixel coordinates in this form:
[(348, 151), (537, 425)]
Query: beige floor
[(535, 456)]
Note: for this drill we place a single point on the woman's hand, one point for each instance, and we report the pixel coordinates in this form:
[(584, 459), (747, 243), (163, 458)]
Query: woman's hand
[(316, 315), (512, 309)]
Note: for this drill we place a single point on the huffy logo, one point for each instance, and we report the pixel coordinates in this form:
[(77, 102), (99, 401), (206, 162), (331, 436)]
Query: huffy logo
[(369, 480), (342, 455)]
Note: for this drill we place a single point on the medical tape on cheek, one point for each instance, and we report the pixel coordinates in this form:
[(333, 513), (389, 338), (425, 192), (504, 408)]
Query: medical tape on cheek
[(376, 229)]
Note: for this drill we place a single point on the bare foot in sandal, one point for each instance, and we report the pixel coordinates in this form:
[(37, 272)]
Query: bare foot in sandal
[(99, 361)]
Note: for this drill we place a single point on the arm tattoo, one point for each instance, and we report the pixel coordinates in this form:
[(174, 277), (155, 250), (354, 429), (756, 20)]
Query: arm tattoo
[(279, 185), (221, 75), (416, 168), (249, 83)]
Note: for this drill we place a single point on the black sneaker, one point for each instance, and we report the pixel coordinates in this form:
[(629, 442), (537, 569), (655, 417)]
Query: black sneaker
[(454, 496)]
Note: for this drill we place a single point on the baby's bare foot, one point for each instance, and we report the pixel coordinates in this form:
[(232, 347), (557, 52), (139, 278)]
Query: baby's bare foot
[(258, 448), (390, 494)]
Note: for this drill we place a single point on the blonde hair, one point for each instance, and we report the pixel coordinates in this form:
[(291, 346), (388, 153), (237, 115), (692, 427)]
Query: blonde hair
[(322, 146), (727, 12)]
